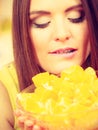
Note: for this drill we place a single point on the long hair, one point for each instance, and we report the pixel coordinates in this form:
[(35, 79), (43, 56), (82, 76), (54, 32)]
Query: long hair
[(24, 53), (23, 49), (91, 12)]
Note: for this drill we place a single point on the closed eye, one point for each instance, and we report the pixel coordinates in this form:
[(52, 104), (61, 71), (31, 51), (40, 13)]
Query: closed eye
[(79, 19), (42, 25)]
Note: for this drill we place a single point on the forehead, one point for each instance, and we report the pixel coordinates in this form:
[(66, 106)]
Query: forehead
[(52, 4)]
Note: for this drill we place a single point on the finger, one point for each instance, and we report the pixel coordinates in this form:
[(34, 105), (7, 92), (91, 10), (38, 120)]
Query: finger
[(36, 127), (28, 125), (20, 122), (18, 112), (28, 128)]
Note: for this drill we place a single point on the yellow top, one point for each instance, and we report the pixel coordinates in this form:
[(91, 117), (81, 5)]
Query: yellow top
[(9, 78)]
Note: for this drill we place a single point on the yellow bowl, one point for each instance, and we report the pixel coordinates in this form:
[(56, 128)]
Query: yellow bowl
[(87, 120), (72, 101)]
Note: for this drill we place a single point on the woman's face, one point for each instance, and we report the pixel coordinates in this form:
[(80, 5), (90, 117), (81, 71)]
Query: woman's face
[(59, 32)]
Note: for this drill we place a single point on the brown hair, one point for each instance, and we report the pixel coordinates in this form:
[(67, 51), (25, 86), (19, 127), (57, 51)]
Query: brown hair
[(91, 9), (23, 51), (23, 48)]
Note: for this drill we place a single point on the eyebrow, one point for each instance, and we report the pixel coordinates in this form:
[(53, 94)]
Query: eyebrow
[(39, 12), (74, 7), (47, 12)]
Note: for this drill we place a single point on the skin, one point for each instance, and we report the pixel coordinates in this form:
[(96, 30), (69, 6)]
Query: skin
[(6, 112), (58, 33), (59, 40)]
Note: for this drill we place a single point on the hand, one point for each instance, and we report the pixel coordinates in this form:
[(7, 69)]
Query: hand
[(25, 121)]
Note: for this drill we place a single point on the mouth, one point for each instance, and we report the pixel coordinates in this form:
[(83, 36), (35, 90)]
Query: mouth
[(63, 51)]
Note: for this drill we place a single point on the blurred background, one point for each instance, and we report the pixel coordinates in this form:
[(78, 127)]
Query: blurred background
[(6, 50)]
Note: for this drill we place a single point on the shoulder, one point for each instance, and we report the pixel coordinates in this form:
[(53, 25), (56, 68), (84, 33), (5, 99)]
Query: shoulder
[(4, 95), (6, 111), (3, 90)]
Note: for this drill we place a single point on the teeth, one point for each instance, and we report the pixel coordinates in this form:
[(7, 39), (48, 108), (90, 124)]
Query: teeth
[(64, 51), (68, 51)]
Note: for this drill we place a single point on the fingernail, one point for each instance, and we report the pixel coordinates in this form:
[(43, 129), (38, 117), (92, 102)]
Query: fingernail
[(36, 127)]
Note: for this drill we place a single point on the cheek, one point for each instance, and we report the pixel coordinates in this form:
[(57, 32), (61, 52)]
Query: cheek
[(82, 36), (85, 45), (41, 39), (87, 48), (81, 31), (40, 44), (86, 40), (41, 35)]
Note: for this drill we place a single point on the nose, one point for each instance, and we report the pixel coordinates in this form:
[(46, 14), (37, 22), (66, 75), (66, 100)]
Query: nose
[(62, 32)]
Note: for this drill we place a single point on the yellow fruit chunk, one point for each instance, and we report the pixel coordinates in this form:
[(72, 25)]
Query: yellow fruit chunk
[(64, 99), (41, 79), (73, 74)]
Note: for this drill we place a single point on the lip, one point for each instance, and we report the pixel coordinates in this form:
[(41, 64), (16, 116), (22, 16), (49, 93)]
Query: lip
[(65, 52)]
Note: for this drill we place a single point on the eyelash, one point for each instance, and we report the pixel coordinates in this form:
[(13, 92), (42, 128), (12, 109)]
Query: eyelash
[(73, 20), (44, 25), (78, 20)]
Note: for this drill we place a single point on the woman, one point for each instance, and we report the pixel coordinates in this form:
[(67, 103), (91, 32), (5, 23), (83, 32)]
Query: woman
[(53, 35)]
